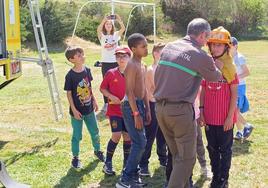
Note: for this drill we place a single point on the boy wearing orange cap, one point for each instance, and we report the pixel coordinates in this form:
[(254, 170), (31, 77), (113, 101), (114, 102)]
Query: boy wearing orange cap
[(218, 109)]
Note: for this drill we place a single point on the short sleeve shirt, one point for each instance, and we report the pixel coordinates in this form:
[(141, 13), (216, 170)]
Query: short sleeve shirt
[(108, 45), (217, 101), (80, 86), (240, 60), (114, 82)]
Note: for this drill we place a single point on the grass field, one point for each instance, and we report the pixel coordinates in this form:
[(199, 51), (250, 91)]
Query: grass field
[(36, 149)]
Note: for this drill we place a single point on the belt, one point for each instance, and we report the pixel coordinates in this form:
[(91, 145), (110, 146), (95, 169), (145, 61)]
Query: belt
[(166, 101)]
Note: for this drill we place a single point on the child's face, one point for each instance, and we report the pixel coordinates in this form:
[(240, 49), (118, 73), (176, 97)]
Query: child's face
[(79, 58), (141, 49), (217, 49), (108, 25), (122, 59)]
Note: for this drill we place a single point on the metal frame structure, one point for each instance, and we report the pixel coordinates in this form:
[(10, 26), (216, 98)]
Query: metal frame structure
[(113, 2)]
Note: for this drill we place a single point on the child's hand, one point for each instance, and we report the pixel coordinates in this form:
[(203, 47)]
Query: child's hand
[(228, 124), (77, 115), (218, 64), (114, 100), (138, 122), (201, 120), (118, 18), (148, 118), (95, 106)]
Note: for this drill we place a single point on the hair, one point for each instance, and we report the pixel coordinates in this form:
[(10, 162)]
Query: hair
[(134, 39), (198, 26), (157, 47), (104, 31), (72, 50)]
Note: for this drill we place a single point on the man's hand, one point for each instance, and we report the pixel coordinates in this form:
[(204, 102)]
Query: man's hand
[(77, 114), (228, 124), (218, 64), (138, 122), (114, 100)]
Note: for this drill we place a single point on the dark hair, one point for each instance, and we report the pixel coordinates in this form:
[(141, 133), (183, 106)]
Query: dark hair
[(134, 39), (72, 50), (197, 26), (104, 31)]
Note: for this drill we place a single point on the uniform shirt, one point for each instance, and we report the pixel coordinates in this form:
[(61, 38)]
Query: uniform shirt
[(114, 82), (217, 101), (240, 60), (108, 45), (80, 86), (177, 85)]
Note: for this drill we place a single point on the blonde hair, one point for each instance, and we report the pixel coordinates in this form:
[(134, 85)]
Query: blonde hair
[(157, 47)]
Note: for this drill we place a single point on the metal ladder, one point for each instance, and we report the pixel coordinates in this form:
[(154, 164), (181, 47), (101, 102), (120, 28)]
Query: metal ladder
[(44, 61)]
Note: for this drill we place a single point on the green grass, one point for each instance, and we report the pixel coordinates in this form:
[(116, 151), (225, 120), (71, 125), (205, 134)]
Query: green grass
[(36, 149)]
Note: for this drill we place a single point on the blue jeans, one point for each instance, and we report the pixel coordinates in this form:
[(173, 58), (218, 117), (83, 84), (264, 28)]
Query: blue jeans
[(152, 131), (138, 140)]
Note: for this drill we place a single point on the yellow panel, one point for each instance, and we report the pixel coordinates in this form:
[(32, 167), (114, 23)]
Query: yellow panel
[(4, 61), (12, 20), (13, 70)]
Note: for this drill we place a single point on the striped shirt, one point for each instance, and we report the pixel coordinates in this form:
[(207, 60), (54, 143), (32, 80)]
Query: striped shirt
[(217, 101)]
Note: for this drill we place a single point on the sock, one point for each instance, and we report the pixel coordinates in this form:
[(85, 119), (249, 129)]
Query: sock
[(248, 125), (126, 149), (110, 150)]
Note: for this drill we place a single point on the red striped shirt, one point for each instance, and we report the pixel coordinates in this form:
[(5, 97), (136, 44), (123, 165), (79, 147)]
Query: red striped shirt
[(217, 101)]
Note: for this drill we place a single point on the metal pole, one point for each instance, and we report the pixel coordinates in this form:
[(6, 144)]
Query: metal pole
[(129, 20), (112, 6), (154, 23)]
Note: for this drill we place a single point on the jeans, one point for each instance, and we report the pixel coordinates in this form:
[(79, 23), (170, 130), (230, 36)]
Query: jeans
[(138, 140)]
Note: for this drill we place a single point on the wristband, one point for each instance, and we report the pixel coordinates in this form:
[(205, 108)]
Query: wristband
[(136, 113)]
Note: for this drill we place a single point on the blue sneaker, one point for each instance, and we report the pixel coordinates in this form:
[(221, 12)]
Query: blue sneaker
[(76, 163), (238, 136), (247, 131)]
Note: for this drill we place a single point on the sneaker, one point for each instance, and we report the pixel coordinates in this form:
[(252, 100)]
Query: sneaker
[(99, 155), (139, 182), (126, 184), (144, 171), (76, 163), (247, 131), (214, 182), (205, 172), (108, 169), (238, 136), (223, 183)]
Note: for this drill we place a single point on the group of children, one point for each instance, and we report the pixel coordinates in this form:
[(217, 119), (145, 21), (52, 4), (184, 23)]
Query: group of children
[(129, 89)]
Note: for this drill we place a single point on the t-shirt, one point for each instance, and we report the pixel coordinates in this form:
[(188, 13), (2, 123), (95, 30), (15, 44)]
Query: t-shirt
[(217, 101), (114, 82), (240, 60), (80, 86), (108, 45), (172, 81)]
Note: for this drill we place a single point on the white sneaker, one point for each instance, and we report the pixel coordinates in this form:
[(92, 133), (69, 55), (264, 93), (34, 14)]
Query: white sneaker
[(205, 172)]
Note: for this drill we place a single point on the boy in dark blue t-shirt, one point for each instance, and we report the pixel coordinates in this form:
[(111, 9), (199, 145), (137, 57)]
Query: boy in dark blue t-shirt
[(82, 103)]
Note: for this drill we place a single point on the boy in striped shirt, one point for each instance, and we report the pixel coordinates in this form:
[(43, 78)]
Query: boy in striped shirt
[(218, 112)]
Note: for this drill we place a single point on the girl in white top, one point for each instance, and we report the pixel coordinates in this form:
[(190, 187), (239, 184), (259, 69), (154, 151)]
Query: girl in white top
[(109, 39)]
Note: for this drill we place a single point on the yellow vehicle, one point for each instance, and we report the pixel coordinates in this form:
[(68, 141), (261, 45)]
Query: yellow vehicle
[(10, 41)]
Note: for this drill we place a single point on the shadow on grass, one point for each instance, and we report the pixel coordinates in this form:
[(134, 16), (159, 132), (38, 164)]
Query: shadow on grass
[(241, 148), (200, 182), (34, 150), (74, 177), (157, 180), (109, 181), (3, 143)]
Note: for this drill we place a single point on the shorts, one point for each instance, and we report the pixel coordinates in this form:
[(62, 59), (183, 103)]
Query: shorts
[(117, 124)]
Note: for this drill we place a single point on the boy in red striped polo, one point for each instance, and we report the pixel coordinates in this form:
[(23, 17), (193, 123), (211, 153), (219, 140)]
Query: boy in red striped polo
[(218, 111), (113, 87)]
